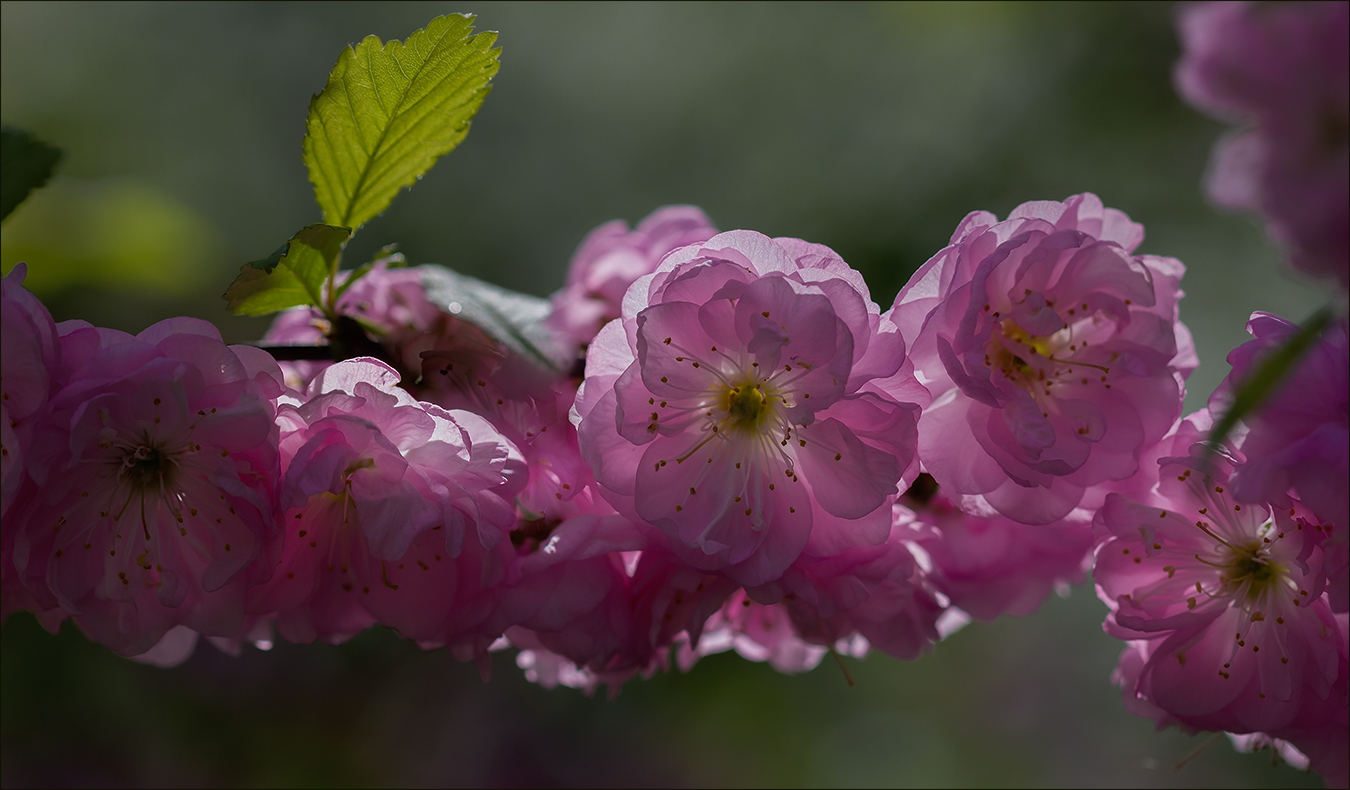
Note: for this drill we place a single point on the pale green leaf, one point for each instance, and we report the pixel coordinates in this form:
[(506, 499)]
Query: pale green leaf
[(389, 111), (293, 275), (515, 320), (1263, 382)]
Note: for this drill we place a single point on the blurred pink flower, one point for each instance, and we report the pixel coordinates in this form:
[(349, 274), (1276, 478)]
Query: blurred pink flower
[(1053, 354), (611, 258), (1299, 441), (155, 468), (736, 406), (1255, 742), (31, 360), (1229, 597), (29, 373), (1278, 70)]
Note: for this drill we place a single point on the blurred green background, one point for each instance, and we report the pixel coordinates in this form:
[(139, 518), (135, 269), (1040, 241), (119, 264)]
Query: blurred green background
[(870, 128)]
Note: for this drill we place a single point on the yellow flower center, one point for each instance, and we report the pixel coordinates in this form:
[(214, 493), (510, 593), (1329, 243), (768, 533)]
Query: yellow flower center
[(747, 406)]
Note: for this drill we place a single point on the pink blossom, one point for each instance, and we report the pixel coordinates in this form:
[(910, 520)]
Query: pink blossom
[(31, 364), (554, 481), (1278, 70), (611, 258), (31, 359), (864, 597), (567, 598), (370, 475), (402, 328), (1053, 354), (760, 633), (868, 596), (1228, 596), (155, 467), (560, 583), (735, 406), (1299, 442), (1316, 741), (1255, 742), (989, 565), (1126, 675)]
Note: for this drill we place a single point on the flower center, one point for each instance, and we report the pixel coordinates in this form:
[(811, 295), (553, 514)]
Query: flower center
[(149, 468), (1249, 573), (1013, 361), (1031, 361), (747, 406)]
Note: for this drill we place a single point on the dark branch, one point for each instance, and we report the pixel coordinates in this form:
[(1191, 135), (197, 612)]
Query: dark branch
[(298, 353)]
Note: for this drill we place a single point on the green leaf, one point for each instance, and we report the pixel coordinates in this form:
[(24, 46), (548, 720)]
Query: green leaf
[(293, 275), (389, 111), (25, 164), (515, 320), (1252, 393)]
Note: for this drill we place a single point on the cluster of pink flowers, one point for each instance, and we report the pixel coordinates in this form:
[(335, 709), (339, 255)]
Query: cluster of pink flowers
[(1227, 573), (757, 457)]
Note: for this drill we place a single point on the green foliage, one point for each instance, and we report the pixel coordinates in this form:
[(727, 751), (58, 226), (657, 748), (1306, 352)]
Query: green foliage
[(110, 234), (513, 319), (389, 111), (1265, 380), (293, 275), (25, 164)]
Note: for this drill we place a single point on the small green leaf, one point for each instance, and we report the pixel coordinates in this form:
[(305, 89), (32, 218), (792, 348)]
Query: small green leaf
[(25, 164), (389, 111), (1252, 393), (293, 275), (513, 319)]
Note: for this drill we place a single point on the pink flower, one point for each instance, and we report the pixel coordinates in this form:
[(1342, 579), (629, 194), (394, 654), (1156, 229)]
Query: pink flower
[(1299, 442), (1279, 71), (1323, 728), (868, 596), (759, 632), (1316, 742), (567, 595), (611, 258), (368, 471), (1252, 743), (1229, 597), (654, 602), (155, 467), (392, 308), (31, 364), (735, 408), (31, 359), (1126, 675), (1053, 354), (989, 565)]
